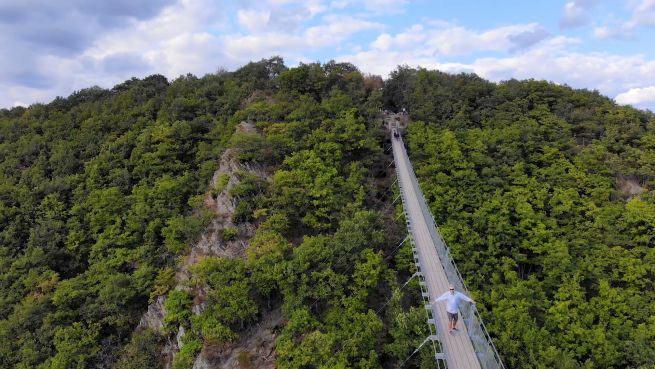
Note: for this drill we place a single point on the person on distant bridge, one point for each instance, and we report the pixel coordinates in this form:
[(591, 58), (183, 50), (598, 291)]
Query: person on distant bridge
[(453, 298)]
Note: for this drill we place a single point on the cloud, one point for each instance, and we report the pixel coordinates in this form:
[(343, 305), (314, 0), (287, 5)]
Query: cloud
[(643, 15), (396, 6), (618, 33), (445, 39), (241, 47), (332, 32), (32, 78), (527, 38), (121, 63), (336, 29), (182, 39), (383, 42), (575, 13), (253, 20), (637, 96), (375, 6), (43, 43), (276, 19), (57, 40), (142, 9), (67, 27), (198, 36)]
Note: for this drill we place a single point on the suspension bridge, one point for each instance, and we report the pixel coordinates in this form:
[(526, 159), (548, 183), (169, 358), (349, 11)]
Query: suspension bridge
[(470, 347)]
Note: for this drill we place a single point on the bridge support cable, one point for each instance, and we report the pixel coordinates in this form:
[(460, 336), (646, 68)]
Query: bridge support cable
[(392, 253), (434, 255), (430, 338)]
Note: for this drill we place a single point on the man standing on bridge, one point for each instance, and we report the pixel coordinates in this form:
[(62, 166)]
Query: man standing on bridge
[(453, 298)]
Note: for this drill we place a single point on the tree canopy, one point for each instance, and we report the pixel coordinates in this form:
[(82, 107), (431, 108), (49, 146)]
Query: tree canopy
[(527, 181), (544, 194)]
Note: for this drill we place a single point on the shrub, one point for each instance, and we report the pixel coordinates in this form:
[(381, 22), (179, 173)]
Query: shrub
[(164, 281), (242, 212), (178, 309), (229, 234), (220, 184), (187, 354)]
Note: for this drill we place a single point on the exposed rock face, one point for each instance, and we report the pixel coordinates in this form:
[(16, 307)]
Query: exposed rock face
[(630, 187), (180, 334), (255, 348), (223, 205), (168, 352), (153, 318)]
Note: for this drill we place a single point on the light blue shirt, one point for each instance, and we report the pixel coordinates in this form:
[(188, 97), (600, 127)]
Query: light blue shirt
[(453, 300)]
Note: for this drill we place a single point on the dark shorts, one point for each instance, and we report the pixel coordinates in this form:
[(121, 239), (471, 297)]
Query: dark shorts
[(452, 316)]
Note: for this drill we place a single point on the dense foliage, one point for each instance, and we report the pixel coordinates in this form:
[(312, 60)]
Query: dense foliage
[(101, 197), (95, 198), (544, 194), (321, 250), (528, 182)]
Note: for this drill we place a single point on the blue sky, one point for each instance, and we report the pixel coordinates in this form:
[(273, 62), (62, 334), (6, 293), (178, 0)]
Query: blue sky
[(55, 48)]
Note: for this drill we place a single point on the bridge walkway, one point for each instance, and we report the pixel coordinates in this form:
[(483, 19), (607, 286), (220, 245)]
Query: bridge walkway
[(470, 347)]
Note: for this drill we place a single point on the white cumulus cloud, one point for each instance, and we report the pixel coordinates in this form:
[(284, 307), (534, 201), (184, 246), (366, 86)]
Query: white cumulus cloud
[(642, 15), (575, 13), (637, 96), (445, 39), (253, 20), (376, 6)]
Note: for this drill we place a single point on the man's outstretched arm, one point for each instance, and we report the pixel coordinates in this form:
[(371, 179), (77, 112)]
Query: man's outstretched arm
[(466, 298), (442, 297)]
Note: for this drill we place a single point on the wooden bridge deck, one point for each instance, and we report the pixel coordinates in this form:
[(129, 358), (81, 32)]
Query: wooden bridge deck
[(457, 346)]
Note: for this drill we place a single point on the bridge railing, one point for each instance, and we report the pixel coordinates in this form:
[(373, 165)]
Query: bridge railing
[(482, 343)]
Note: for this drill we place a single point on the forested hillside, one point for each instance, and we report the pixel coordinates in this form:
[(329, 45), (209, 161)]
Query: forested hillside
[(91, 185), (545, 195), (102, 197)]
